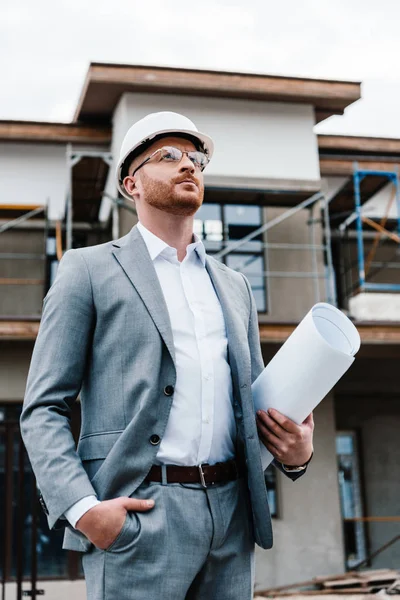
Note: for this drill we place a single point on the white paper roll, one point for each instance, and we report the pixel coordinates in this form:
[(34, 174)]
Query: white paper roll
[(311, 361)]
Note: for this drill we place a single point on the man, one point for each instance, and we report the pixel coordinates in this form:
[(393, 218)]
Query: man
[(166, 493)]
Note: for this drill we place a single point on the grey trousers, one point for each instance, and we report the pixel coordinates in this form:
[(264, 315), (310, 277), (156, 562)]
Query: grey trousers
[(195, 544)]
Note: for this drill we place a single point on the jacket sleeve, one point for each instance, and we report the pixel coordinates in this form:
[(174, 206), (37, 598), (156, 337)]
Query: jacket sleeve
[(54, 381), (257, 362)]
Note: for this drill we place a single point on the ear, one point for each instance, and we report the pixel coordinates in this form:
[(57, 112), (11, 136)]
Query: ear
[(129, 184)]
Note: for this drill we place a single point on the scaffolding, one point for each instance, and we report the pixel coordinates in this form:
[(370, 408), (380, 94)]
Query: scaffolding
[(378, 225), (318, 199), (31, 212)]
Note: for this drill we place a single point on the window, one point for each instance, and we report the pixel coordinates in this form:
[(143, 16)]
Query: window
[(217, 224), (350, 497), (270, 481)]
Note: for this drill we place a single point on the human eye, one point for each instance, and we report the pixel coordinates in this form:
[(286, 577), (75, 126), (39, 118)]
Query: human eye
[(169, 153), (198, 159)]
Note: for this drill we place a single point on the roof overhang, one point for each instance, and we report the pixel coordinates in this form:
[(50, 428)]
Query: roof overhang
[(340, 155), (54, 133), (357, 145), (105, 84)]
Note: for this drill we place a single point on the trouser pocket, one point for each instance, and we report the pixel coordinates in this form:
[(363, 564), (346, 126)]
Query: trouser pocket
[(128, 534)]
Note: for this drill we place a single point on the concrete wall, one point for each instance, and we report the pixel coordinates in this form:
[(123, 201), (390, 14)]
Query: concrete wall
[(34, 174), (15, 358), (290, 298), (308, 534), (332, 185), (258, 144)]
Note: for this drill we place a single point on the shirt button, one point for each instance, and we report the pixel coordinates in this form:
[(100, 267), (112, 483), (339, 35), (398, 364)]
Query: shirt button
[(155, 439), (169, 390)]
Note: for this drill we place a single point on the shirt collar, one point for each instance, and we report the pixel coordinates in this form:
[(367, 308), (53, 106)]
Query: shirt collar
[(156, 245)]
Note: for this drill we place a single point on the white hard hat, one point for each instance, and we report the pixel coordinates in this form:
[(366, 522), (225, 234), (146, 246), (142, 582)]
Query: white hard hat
[(154, 125)]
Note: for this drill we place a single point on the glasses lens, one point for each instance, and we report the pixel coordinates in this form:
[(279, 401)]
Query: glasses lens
[(199, 159), (170, 154)]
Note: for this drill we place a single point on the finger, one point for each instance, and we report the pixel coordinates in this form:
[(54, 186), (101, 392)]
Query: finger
[(309, 420), (273, 444), (267, 434), (137, 505), (283, 421), (271, 424), (274, 451)]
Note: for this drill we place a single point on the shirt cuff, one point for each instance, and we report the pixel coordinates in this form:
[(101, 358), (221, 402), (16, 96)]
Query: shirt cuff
[(77, 510)]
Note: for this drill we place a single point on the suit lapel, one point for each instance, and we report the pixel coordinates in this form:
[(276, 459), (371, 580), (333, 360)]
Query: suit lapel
[(226, 289), (132, 254)]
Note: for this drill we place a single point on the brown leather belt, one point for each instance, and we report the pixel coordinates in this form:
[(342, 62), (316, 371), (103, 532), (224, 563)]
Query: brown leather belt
[(205, 474)]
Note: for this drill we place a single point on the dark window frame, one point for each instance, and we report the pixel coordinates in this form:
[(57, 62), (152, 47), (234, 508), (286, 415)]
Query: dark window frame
[(10, 430), (225, 240)]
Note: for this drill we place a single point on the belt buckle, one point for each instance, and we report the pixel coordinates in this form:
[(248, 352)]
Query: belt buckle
[(201, 472)]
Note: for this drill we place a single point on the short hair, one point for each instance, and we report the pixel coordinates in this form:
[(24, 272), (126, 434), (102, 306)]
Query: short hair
[(145, 145)]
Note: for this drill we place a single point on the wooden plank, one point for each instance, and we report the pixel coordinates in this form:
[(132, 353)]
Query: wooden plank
[(371, 333), (345, 166), (21, 281), (341, 583), (19, 330), (20, 207), (270, 333), (381, 229), (374, 519), (55, 133), (349, 143), (350, 583)]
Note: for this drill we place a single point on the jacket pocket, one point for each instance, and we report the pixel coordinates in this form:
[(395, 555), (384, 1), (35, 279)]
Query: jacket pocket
[(97, 445)]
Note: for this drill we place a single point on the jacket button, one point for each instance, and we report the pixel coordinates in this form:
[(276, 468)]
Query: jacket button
[(155, 439), (169, 390)]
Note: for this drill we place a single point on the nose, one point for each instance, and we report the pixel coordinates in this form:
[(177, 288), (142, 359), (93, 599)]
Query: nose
[(186, 164)]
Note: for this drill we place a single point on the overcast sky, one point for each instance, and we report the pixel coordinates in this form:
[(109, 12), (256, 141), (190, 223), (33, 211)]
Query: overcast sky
[(46, 47)]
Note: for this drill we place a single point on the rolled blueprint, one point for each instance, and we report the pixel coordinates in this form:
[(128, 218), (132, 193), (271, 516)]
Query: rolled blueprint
[(311, 361)]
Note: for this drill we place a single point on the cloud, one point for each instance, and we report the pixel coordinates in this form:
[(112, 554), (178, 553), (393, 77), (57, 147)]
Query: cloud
[(46, 47)]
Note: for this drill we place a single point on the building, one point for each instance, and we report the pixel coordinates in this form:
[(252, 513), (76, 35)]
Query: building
[(269, 170)]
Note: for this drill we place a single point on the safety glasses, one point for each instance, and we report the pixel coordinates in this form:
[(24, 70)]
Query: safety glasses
[(171, 154)]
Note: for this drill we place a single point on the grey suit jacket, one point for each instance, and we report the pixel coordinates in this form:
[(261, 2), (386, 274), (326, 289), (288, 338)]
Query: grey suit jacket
[(105, 332)]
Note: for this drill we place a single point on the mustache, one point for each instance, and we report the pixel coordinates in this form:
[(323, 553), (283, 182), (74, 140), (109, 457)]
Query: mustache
[(188, 178)]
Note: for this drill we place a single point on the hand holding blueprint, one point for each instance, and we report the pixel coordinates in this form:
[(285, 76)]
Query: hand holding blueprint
[(311, 361)]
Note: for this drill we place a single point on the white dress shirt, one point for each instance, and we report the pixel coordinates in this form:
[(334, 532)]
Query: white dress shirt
[(201, 426)]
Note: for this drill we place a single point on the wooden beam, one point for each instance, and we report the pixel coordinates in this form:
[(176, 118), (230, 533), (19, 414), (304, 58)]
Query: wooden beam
[(54, 133), (348, 143), (344, 166), (18, 330), (371, 333), (270, 333), (380, 229), (20, 206), (20, 281)]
